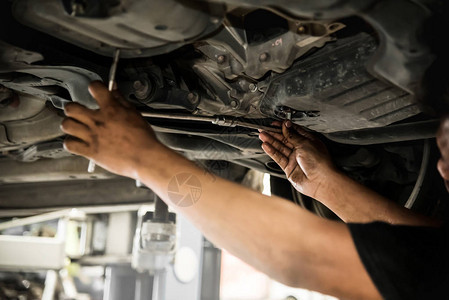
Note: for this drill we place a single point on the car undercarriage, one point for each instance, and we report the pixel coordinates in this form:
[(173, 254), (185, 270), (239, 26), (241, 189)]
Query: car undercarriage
[(207, 74)]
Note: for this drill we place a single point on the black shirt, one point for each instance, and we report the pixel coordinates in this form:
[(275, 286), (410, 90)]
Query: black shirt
[(405, 262)]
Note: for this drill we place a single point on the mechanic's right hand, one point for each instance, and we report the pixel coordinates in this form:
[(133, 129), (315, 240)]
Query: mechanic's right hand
[(114, 136), (303, 157)]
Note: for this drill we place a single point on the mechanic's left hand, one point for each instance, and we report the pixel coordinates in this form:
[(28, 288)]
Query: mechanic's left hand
[(113, 135)]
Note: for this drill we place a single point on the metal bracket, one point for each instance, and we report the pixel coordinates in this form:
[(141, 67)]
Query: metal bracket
[(38, 80)]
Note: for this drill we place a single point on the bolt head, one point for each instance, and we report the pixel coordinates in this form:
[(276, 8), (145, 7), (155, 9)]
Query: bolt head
[(221, 59), (137, 84), (192, 98), (142, 89), (253, 88), (264, 57), (234, 104), (214, 20)]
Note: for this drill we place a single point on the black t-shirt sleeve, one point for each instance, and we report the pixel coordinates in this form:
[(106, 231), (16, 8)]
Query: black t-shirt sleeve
[(404, 262)]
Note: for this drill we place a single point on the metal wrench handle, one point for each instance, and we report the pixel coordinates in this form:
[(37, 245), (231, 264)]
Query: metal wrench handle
[(113, 70)]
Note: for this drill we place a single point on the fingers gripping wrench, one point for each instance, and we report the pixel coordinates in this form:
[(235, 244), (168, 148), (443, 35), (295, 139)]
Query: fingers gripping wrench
[(112, 71)]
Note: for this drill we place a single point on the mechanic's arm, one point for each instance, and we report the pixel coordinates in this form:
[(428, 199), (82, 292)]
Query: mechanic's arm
[(308, 166), (279, 238)]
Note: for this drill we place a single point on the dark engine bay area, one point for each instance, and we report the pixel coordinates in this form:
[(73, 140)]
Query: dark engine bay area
[(367, 76)]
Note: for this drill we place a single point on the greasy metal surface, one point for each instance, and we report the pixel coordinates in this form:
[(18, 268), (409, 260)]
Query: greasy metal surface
[(335, 86), (403, 56), (72, 193), (52, 149), (27, 107), (139, 28), (5, 95), (69, 168), (37, 80), (41, 127), (309, 8), (236, 56), (388, 134), (28, 122), (4, 141)]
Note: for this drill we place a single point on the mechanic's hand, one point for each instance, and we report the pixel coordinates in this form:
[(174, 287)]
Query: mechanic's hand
[(113, 135), (303, 157), (443, 144)]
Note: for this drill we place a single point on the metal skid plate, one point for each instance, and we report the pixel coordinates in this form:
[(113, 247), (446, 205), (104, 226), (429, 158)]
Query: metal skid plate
[(332, 91), (403, 56), (139, 28)]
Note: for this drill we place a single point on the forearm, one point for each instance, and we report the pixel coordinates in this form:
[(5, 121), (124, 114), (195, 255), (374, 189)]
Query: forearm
[(275, 236), (355, 203), (232, 216)]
